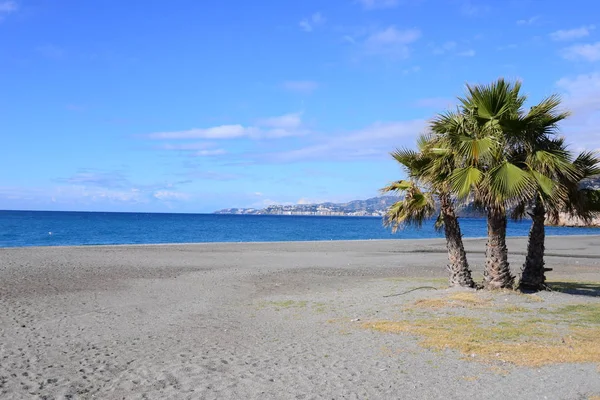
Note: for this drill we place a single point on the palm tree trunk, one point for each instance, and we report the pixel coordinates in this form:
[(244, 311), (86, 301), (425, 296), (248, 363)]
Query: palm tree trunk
[(497, 271), (532, 277), (458, 267)]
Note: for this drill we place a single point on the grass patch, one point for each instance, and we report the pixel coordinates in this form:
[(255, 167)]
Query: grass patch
[(532, 298), (581, 314), (513, 309), (284, 304), (568, 334), (461, 299)]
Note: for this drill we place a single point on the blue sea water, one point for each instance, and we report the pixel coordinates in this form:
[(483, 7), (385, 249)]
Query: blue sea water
[(50, 228)]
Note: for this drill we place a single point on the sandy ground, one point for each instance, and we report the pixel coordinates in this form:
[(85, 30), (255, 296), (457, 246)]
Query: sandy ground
[(254, 321)]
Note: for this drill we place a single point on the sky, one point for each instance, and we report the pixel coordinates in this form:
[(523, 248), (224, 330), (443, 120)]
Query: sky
[(194, 106)]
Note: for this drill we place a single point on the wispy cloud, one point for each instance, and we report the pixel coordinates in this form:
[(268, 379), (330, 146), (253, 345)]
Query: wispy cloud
[(286, 121), (444, 47), (582, 52), (170, 195), (94, 177), (391, 42), (198, 149), (378, 4), (571, 34), (374, 141), (474, 9), (210, 153), (102, 186), (302, 87), (411, 70), (466, 53), (186, 146), (216, 132), (529, 21), (266, 128), (310, 23), (214, 175), (7, 7), (581, 98)]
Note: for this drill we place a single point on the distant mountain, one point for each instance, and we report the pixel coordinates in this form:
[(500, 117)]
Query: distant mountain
[(376, 206)]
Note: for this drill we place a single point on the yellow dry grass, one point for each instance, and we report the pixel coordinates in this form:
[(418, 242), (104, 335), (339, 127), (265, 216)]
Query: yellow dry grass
[(569, 334), (461, 299)]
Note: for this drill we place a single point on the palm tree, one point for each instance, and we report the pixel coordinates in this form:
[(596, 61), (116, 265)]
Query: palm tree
[(417, 205), (480, 135), (536, 149), (572, 199)]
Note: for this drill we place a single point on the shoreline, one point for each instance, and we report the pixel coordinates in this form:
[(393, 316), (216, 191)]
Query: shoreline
[(83, 246)]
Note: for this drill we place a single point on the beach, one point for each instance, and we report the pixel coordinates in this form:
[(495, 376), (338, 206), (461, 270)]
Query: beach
[(261, 321)]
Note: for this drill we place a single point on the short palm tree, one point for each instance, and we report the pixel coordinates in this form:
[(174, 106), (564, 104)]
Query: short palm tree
[(431, 170), (571, 199)]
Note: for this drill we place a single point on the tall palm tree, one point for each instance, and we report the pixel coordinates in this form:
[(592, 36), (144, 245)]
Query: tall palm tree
[(432, 170), (480, 134)]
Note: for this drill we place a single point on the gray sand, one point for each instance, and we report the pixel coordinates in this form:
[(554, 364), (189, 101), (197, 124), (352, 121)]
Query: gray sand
[(256, 321)]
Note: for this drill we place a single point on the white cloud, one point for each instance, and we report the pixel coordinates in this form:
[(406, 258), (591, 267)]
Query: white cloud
[(106, 179), (93, 194), (571, 34), (374, 141), (217, 132), (186, 146), (391, 41), (466, 53), (201, 149), (8, 7), (581, 98), (374, 4), (411, 70), (474, 9), (214, 175), (287, 121), (169, 195), (268, 128), (310, 23), (303, 87), (529, 21), (444, 48), (210, 153), (585, 52)]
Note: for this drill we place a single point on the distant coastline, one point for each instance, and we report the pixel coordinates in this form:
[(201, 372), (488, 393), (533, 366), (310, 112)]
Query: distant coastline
[(373, 207)]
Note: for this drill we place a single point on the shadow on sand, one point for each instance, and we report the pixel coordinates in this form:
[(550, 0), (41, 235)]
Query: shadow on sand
[(591, 289)]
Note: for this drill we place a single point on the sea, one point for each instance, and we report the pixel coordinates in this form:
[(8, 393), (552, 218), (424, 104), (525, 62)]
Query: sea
[(54, 228)]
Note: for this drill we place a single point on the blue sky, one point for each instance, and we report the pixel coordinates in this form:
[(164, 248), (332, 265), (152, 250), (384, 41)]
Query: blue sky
[(192, 106)]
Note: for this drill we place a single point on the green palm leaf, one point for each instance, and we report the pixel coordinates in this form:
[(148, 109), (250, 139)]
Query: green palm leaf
[(507, 181), (463, 179), (546, 185)]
